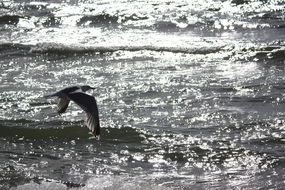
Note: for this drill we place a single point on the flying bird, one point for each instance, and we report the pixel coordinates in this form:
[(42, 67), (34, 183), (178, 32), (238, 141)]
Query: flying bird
[(86, 102)]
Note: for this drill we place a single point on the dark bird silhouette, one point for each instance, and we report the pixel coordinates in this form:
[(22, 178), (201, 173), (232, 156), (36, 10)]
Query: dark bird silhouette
[(86, 102)]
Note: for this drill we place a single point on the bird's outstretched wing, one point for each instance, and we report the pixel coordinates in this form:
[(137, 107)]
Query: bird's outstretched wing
[(89, 105), (62, 105)]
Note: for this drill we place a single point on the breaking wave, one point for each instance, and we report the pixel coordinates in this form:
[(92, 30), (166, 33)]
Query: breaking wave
[(269, 52), (54, 48), (98, 183)]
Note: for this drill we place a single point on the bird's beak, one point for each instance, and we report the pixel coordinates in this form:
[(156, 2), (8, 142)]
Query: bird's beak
[(92, 88)]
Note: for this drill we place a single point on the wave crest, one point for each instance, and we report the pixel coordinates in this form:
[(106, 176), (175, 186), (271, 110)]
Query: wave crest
[(60, 48), (56, 48)]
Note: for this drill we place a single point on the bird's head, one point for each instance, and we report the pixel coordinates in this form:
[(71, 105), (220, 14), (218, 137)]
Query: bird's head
[(86, 88)]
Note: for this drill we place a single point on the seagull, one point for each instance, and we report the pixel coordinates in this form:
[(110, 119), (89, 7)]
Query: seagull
[(86, 102)]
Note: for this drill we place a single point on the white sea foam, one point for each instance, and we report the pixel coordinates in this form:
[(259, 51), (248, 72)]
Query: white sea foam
[(42, 186), (99, 183)]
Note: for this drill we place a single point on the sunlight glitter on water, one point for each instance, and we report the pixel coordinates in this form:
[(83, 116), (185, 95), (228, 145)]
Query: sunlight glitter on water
[(190, 94)]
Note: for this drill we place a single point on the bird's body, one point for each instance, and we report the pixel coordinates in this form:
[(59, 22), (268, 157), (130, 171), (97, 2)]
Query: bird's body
[(86, 102)]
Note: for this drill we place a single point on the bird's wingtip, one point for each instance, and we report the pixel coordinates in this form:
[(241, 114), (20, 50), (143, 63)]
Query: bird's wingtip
[(98, 137), (94, 136)]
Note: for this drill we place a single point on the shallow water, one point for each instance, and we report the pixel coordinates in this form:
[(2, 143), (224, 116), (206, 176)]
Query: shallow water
[(190, 94)]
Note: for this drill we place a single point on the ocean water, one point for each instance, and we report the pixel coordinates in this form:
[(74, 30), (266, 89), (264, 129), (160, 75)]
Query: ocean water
[(190, 94)]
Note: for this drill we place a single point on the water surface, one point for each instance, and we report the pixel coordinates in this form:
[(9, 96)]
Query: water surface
[(190, 94)]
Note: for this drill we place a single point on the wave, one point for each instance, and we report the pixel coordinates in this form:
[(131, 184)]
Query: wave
[(277, 54), (99, 182), (58, 129), (129, 21), (271, 55), (8, 49), (55, 48), (62, 130), (265, 52)]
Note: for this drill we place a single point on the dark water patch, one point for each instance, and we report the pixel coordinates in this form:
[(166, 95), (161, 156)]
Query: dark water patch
[(17, 123), (256, 99), (33, 130), (165, 26), (281, 26), (12, 49), (98, 20), (269, 141), (119, 135), (240, 2), (176, 157), (25, 130), (277, 54), (221, 89), (270, 53), (270, 148), (181, 24), (10, 19)]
